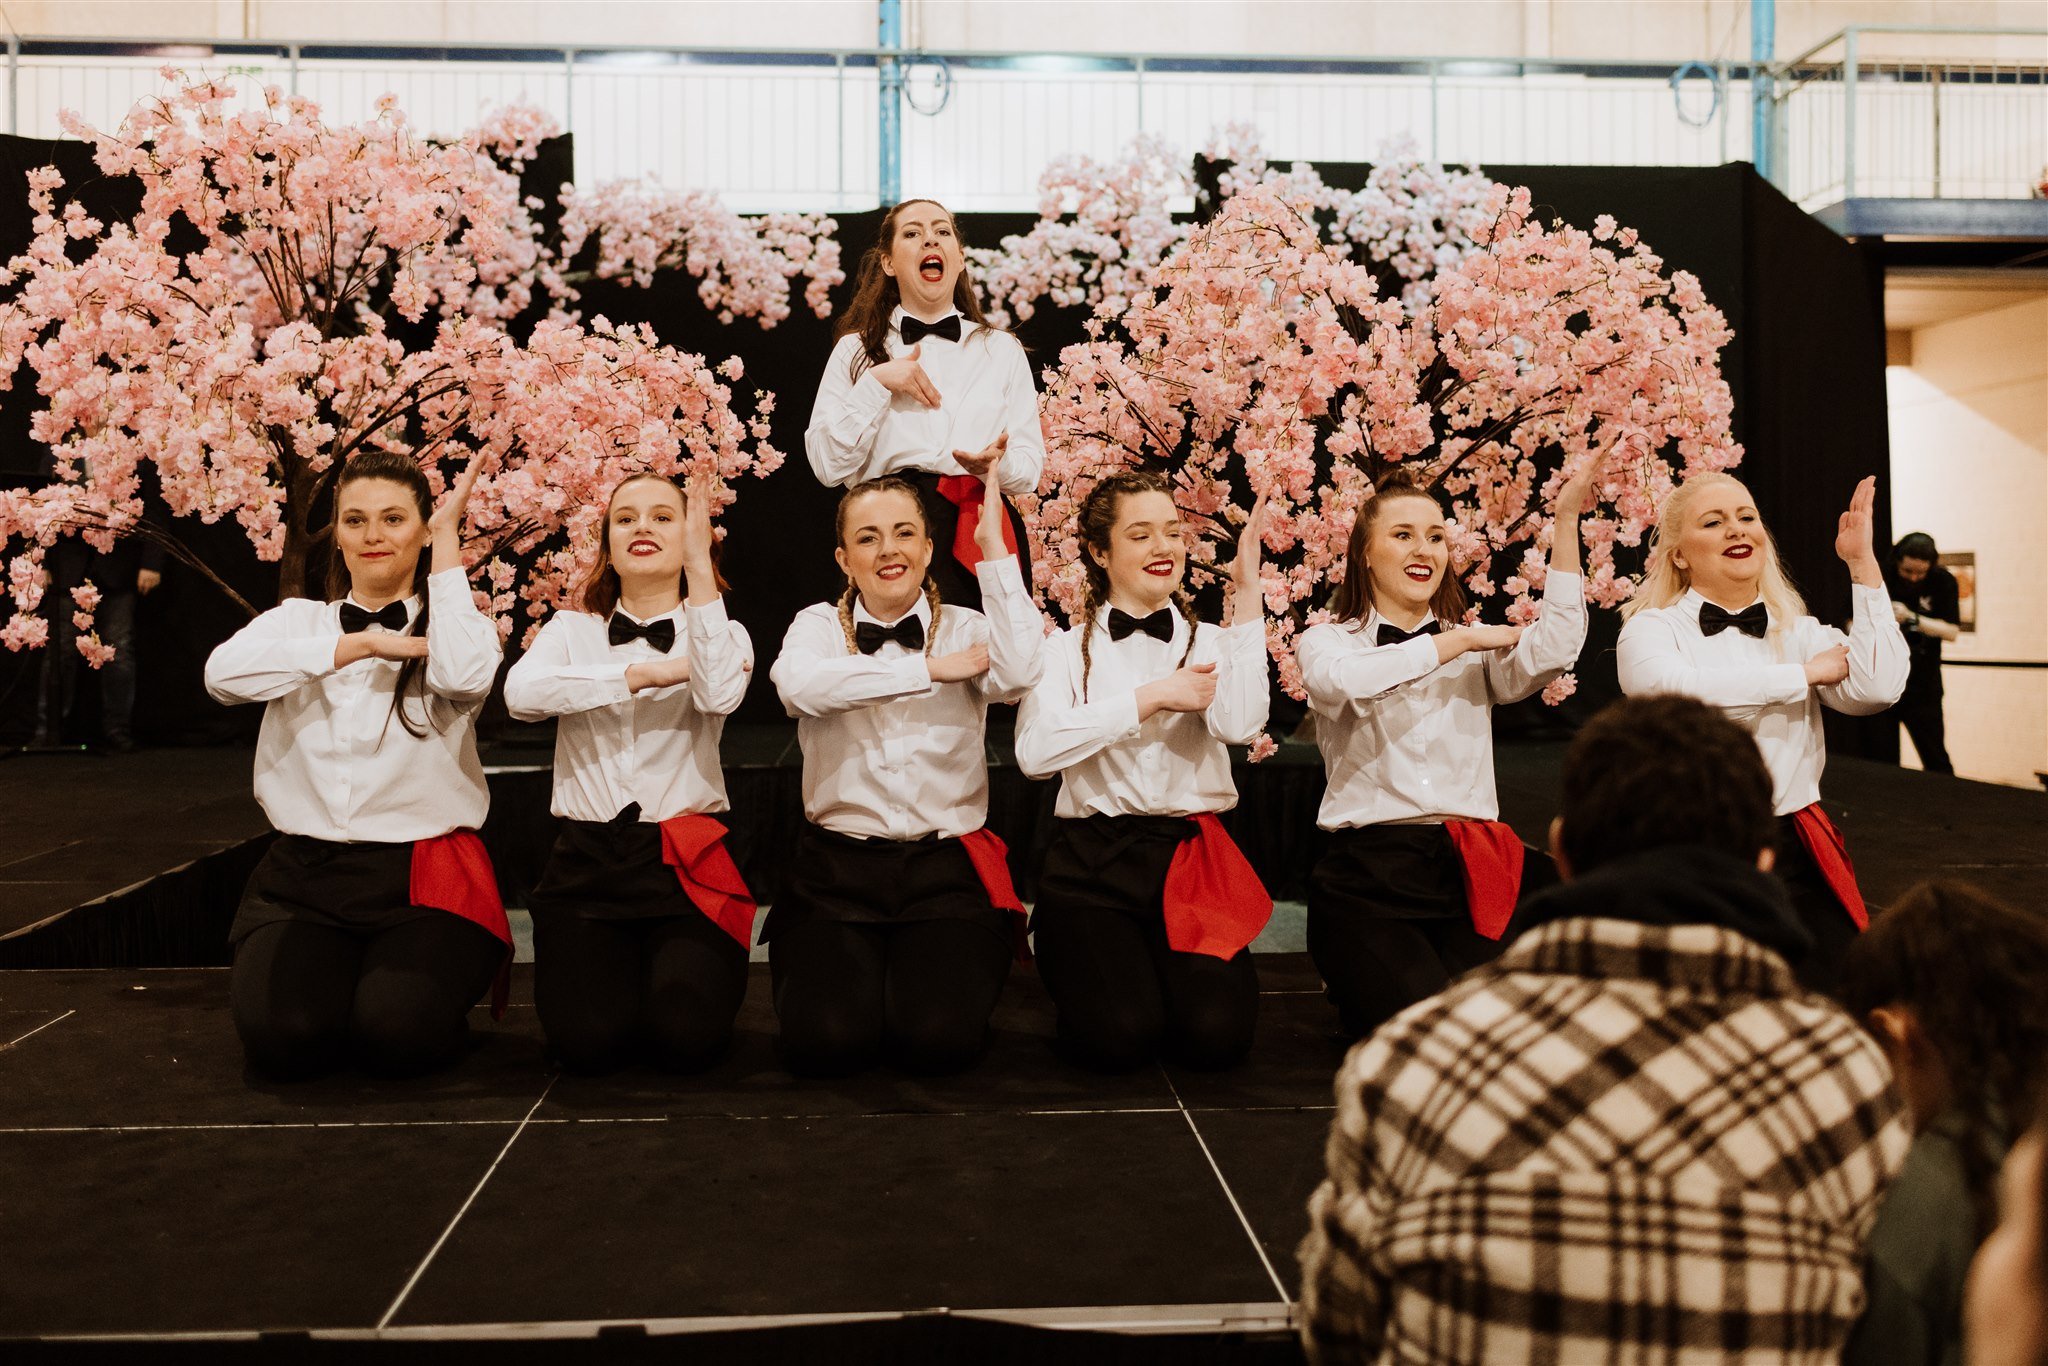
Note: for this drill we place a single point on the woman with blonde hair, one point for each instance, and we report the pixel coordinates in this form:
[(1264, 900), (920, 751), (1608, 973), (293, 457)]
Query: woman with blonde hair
[(1717, 618)]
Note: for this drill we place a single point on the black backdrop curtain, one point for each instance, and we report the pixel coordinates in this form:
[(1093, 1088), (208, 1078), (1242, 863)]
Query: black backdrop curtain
[(1806, 368)]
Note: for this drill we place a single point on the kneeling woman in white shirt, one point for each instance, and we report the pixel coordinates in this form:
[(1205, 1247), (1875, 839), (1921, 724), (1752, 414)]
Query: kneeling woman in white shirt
[(896, 928), (641, 920), (373, 923), (1420, 876), (1716, 618), (1145, 907)]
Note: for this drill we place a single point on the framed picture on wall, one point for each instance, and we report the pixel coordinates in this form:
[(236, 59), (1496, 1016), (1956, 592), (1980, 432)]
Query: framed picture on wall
[(1963, 564)]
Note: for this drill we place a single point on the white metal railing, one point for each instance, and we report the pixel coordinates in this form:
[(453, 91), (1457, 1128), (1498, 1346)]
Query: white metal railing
[(1869, 114), (798, 129), (1858, 116)]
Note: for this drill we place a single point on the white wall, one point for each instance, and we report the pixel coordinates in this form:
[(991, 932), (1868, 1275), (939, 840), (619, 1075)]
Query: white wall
[(1969, 430)]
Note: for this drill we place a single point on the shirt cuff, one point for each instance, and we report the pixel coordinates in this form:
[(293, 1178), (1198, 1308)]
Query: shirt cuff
[(1787, 682), (869, 393), (916, 671), (612, 678), (312, 656), (1564, 589), (447, 588), (1865, 600), (1421, 652), (707, 621), (1000, 576), (1123, 714)]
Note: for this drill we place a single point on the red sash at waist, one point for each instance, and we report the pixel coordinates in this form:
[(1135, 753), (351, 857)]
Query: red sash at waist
[(965, 492), (1492, 857), (694, 846), (1214, 901), (1831, 856), (453, 873), (991, 860)]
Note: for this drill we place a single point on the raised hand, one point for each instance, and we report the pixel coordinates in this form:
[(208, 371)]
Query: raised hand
[(988, 532), (1572, 501), (982, 463), (1853, 535), (444, 528), (697, 538), (906, 377), (960, 666), (1246, 592)]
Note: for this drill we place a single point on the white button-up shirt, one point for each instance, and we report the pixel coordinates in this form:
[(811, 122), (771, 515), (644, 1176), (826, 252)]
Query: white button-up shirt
[(1174, 763), (889, 754), (613, 746), (1761, 684), (1408, 740), (332, 761), (861, 431)]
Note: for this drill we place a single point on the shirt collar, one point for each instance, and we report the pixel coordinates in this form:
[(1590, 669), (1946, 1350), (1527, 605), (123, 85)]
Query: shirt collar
[(1709, 960), (921, 609), (899, 313), (673, 614), (1180, 623), (1373, 620), (1694, 600)]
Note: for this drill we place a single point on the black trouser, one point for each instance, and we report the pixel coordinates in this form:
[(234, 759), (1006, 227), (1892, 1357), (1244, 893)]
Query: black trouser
[(956, 583), (884, 949), (1389, 923), (1820, 911), (624, 965), (1921, 716), (1124, 995), (661, 988), (307, 997)]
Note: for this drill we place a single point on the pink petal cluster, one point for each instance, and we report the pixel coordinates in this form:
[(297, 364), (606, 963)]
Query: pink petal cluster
[(240, 357), (1267, 360), (744, 266)]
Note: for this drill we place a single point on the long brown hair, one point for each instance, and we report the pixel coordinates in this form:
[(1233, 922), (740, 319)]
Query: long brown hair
[(599, 592), (1353, 600), (1097, 520), (1971, 969), (876, 292), (404, 471), (888, 483)]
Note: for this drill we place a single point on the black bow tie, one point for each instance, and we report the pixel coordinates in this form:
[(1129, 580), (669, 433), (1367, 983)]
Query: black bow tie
[(870, 636), (914, 329), (1159, 625), (391, 616), (1752, 620), (1391, 634), (661, 633)]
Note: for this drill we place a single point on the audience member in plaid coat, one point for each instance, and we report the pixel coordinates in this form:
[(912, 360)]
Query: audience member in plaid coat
[(1631, 1138)]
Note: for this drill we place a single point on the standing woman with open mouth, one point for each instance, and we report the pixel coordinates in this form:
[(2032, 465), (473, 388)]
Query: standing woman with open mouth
[(373, 923), (920, 386), (1717, 618), (894, 932), (1420, 876), (641, 921)]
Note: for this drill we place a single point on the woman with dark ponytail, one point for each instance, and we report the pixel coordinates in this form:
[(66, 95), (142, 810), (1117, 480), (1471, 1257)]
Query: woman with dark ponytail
[(895, 930), (373, 923), (921, 387), (1145, 907)]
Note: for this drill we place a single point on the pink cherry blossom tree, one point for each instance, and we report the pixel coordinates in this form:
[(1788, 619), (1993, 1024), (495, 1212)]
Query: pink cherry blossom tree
[(1267, 361), (291, 293)]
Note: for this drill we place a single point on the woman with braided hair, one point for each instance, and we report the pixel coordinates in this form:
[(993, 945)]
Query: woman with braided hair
[(896, 929), (1145, 907), (1420, 877)]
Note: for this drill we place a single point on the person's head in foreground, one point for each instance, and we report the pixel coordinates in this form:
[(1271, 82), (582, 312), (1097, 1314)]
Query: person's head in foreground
[(2006, 1313), (1633, 1136)]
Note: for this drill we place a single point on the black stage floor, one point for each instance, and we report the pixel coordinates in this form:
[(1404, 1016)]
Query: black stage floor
[(148, 1188)]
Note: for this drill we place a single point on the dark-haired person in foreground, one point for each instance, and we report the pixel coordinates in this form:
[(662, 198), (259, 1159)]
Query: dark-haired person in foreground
[(1633, 1136), (1954, 984)]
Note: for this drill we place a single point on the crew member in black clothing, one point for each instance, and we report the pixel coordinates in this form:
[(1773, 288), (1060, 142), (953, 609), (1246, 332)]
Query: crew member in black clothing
[(1927, 604)]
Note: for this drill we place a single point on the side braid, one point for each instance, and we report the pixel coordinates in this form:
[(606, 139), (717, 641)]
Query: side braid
[(846, 619), (931, 595), (1186, 605), (1091, 603)]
